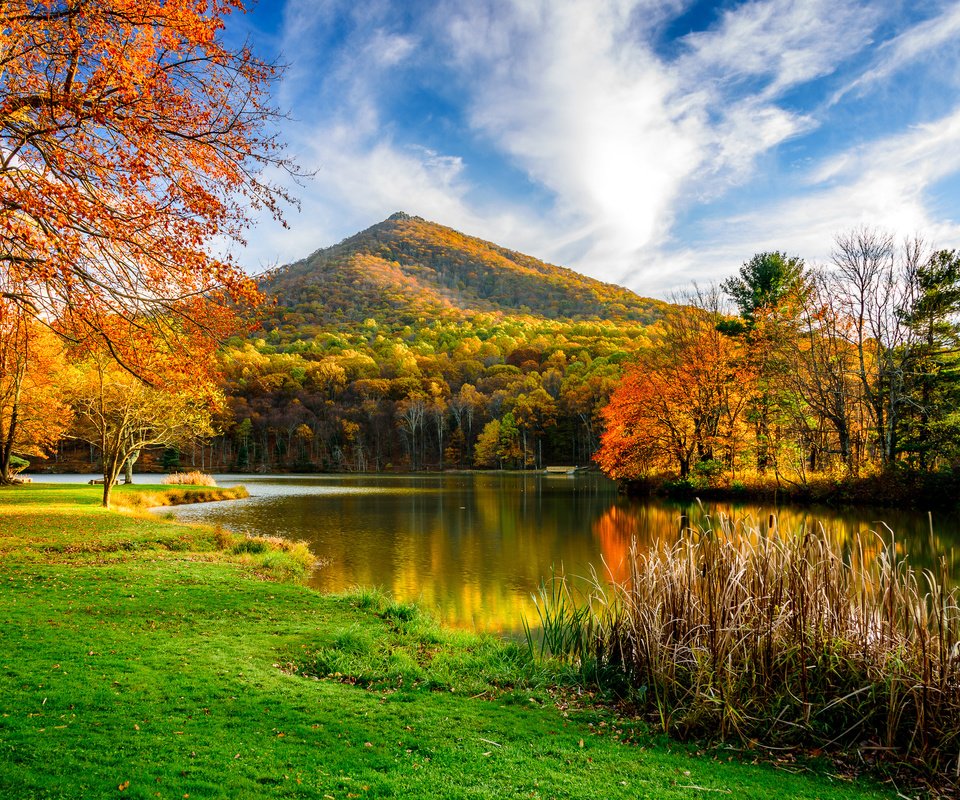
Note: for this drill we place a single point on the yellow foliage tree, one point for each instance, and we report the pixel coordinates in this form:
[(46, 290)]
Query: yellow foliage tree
[(122, 415)]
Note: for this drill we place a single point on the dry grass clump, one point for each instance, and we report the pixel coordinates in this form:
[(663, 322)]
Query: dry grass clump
[(140, 499), (782, 641), (271, 556), (194, 478)]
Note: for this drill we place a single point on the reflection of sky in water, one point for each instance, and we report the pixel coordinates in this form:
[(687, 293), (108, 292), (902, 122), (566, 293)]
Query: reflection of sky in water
[(474, 547)]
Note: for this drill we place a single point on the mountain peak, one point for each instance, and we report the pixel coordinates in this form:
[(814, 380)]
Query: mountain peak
[(406, 269)]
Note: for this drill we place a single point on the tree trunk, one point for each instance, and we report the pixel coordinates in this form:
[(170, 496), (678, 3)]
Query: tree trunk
[(111, 469), (128, 466), (7, 449)]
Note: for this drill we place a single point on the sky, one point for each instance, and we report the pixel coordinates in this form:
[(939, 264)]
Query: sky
[(642, 142)]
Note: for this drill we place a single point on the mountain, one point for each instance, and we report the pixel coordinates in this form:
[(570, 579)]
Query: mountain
[(406, 269)]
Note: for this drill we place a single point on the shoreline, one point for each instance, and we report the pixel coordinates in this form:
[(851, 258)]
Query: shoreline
[(915, 491)]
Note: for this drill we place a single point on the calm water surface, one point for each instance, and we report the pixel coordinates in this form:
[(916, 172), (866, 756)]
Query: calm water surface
[(474, 547)]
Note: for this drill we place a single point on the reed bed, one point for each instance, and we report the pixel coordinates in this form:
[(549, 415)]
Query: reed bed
[(194, 478), (777, 641)]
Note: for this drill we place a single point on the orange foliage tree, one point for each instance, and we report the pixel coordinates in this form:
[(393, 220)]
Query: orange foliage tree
[(33, 410), (131, 137), (679, 404), (122, 414)]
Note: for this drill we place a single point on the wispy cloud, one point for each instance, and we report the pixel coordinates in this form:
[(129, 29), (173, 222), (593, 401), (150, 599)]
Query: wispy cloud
[(782, 43), (624, 138), (917, 42), (585, 115), (883, 185), (614, 138)]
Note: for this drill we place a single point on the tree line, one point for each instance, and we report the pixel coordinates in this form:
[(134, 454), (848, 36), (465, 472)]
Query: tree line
[(789, 371), (488, 391)]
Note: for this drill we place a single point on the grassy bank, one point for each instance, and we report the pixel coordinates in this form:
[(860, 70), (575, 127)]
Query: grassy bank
[(143, 658)]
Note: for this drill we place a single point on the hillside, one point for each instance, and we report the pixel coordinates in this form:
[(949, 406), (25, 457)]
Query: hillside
[(405, 268), (413, 346)]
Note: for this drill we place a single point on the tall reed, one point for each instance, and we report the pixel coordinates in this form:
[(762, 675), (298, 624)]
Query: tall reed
[(780, 641), (193, 478)]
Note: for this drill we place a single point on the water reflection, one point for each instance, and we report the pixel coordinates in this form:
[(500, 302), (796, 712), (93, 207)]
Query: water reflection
[(474, 547)]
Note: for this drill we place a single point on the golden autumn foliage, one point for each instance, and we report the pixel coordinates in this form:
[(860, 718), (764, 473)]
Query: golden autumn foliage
[(131, 138), (680, 403), (405, 270), (33, 411), (169, 401), (420, 336)]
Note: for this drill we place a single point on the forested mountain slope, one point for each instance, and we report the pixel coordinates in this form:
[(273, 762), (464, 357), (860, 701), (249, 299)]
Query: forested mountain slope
[(405, 269), (413, 346)]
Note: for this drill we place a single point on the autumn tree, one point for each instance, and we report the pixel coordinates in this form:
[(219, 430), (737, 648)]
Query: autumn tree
[(168, 401), (411, 413), (33, 411), (132, 137), (486, 452), (535, 411), (826, 379), (465, 406), (680, 403), (122, 415), (498, 442)]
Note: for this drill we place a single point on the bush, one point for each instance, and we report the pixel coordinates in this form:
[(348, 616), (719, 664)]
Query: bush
[(18, 464), (272, 557), (189, 479), (707, 470), (682, 487), (255, 546)]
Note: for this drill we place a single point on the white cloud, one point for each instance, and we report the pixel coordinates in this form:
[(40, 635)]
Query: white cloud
[(586, 116), (784, 42), (918, 41), (622, 137), (575, 95), (882, 185)]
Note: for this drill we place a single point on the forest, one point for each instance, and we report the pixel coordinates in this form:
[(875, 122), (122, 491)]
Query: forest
[(780, 374), (412, 346), (839, 370)]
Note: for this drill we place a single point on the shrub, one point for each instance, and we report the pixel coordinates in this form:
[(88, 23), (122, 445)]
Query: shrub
[(682, 487), (255, 546), (189, 479), (274, 557), (707, 470), (18, 464), (223, 538)]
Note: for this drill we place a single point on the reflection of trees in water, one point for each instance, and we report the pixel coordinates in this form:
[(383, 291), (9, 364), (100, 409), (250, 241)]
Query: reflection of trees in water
[(859, 531), (476, 552), (476, 547)]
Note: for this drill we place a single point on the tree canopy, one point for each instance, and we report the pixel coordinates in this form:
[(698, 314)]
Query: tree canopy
[(132, 138)]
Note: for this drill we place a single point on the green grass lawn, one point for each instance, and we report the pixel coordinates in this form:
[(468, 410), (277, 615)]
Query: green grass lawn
[(144, 658)]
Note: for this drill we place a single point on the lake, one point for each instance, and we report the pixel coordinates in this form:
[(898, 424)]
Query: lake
[(474, 547)]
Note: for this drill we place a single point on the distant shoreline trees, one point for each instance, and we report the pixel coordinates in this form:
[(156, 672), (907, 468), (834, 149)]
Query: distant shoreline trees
[(838, 369)]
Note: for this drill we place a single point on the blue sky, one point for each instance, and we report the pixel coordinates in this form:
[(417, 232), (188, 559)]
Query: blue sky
[(645, 143)]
